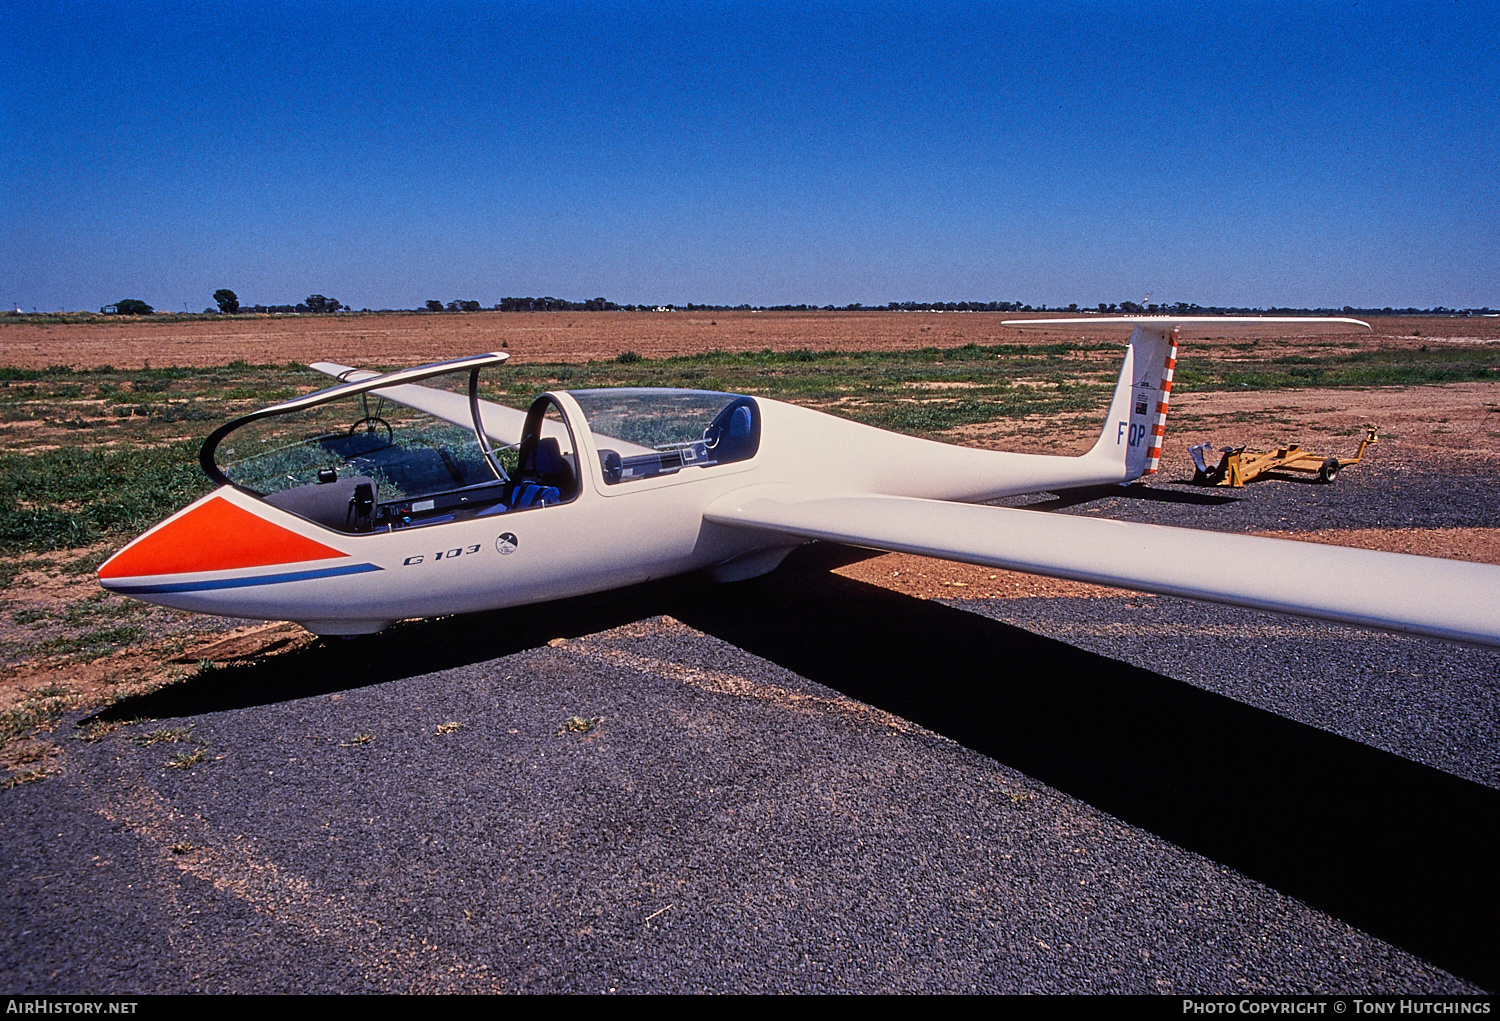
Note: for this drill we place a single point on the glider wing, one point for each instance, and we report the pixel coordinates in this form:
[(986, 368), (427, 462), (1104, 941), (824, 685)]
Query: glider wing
[(501, 424), (1449, 599)]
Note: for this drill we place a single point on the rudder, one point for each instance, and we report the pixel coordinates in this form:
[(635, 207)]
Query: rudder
[(1137, 421)]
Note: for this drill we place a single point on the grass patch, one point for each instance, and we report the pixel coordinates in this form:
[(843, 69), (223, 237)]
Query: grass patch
[(98, 608), (88, 563), (92, 643), (93, 731), (164, 735), (1377, 367), (26, 776), (73, 497), (31, 715), (24, 753), (186, 760)]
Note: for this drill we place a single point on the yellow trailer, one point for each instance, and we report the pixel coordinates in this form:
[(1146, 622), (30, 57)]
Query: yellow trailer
[(1237, 467)]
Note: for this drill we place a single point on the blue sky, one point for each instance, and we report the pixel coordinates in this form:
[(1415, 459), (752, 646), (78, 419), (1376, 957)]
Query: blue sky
[(1316, 154)]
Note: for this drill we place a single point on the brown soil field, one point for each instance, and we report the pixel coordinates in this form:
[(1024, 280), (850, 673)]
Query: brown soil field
[(412, 338)]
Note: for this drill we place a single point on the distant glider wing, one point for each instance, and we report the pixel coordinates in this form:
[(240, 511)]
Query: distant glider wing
[(501, 424), (1449, 599)]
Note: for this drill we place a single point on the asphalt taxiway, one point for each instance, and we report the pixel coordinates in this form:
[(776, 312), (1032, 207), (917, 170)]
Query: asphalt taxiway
[(798, 784)]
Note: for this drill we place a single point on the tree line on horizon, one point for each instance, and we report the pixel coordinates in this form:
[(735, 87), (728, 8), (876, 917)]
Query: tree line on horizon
[(229, 304)]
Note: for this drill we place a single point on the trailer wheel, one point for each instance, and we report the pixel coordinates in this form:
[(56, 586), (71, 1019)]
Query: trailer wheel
[(1329, 471)]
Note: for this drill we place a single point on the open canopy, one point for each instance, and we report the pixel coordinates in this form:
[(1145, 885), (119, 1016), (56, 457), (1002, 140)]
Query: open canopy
[(432, 444), (381, 452)]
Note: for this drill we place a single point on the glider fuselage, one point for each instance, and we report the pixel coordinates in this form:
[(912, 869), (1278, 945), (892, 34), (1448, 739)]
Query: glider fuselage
[(607, 535)]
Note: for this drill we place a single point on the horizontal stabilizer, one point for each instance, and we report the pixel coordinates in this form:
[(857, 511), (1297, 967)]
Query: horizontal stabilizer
[(1448, 599), (1208, 326)]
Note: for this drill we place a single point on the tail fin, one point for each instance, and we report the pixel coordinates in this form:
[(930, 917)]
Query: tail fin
[(1138, 412), (1130, 445)]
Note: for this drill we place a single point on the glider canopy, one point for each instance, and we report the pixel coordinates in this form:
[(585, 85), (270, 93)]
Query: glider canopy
[(381, 452)]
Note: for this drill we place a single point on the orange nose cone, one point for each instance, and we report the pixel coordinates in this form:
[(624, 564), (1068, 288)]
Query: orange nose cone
[(215, 536)]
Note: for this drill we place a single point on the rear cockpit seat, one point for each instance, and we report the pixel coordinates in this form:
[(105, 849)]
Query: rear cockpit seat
[(554, 469)]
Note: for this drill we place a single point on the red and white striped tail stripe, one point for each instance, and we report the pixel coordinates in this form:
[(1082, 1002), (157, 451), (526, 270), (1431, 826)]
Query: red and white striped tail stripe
[(1159, 420)]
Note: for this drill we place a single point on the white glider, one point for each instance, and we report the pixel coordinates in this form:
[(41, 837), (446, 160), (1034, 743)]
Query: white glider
[(345, 517)]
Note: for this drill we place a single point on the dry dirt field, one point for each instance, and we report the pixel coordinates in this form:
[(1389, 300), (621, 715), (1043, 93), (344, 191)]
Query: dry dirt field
[(414, 338)]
